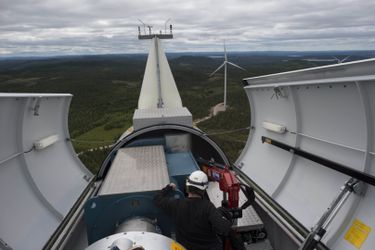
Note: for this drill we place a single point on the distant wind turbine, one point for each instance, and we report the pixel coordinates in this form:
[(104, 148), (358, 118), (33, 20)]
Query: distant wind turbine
[(224, 64), (341, 60)]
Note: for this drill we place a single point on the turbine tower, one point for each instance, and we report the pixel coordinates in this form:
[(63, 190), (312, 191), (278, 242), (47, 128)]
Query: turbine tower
[(224, 64)]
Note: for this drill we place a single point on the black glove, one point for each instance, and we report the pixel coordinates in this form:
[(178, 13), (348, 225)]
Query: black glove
[(167, 189), (225, 213)]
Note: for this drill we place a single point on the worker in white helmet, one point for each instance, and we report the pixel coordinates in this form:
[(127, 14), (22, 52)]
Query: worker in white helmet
[(198, 222)]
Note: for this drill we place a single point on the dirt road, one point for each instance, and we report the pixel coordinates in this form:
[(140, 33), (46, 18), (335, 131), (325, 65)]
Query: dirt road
[(213, 112)]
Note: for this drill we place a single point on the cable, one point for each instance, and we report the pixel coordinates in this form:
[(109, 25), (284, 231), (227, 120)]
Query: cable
[(28, 151), (83, 141), (17, 154), (229, 132), (113, 142)]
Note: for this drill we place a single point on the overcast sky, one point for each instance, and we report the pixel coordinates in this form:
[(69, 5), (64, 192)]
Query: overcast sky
[(59, 27)]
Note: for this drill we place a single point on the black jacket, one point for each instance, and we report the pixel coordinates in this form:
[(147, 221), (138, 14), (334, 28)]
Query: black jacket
[(198, 222)]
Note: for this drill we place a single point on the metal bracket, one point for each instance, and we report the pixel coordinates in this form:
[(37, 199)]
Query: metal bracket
[(4, 245), (320, 228), (86, 178), (240, 165), (359, 188), (37, 106), (278, 92)]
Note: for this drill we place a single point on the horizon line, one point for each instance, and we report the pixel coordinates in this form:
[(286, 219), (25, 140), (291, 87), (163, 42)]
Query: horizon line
[(20, 56)]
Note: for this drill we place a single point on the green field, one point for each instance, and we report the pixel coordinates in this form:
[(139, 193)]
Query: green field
[(105, 134)]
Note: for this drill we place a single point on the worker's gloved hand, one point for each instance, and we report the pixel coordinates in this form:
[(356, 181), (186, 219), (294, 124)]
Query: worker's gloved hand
[(225, 213), (170, 187)]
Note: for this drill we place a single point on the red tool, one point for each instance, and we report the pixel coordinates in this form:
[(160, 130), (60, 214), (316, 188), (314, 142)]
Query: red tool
[(228, 183)]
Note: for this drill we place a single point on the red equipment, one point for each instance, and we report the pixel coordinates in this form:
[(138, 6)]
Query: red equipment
[(228, 182)]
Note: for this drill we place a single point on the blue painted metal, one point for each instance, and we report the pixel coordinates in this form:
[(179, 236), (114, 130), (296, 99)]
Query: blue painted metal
[(180, 165), (104, 213), (147, 142)]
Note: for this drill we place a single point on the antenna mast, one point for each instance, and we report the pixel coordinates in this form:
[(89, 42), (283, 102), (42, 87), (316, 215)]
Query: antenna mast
[(150, 35)]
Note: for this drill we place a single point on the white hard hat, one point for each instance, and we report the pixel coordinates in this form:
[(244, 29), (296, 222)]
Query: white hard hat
[(197, 179)]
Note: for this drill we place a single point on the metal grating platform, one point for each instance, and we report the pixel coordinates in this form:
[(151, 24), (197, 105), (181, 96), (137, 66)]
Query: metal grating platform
[(250, 219), (263, 245), (136, 169)]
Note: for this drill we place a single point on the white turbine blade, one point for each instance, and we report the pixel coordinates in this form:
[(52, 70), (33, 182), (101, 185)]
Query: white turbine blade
[(217, 69), (336, 59), (346, 58), (235, 65)]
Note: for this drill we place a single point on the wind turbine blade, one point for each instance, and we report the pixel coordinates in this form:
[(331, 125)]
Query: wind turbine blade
[(336, 59), (217, 69), (235, 65), (346, 58)]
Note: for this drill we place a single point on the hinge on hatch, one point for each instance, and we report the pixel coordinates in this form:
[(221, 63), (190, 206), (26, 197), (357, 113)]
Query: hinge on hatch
[(278, 92), (4, 245)]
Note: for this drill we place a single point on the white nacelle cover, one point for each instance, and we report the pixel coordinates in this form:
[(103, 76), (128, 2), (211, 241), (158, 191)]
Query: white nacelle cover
[(327, 111), (40, 175)]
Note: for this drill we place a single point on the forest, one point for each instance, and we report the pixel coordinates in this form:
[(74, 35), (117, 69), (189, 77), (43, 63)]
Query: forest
[(106, 90)]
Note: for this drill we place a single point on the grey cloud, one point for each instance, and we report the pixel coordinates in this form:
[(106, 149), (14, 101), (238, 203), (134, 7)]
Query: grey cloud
[(109, 26)]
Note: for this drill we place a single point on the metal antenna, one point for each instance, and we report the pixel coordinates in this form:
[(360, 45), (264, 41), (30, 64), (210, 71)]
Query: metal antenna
[(149, 29), (224, 64), (165, 25), (144, 26), (151, 35)]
